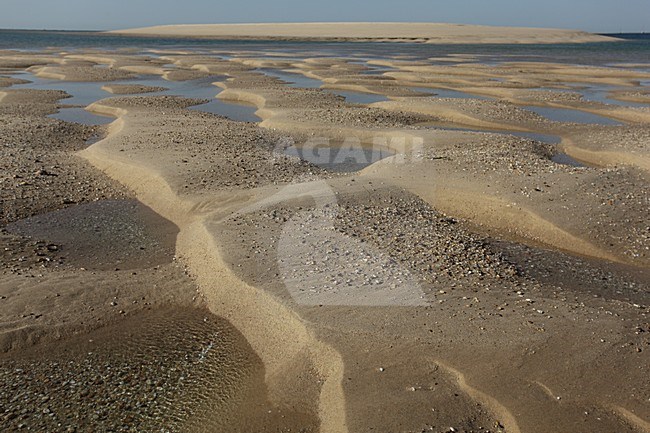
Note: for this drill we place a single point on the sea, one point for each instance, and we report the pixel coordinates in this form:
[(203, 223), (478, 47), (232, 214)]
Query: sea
[(633, 47)]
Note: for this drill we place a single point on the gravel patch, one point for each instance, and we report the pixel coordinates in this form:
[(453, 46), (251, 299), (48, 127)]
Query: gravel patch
[(359, 117), (209, 151), (432, 245), (105, 234), (38, 173), (132, 89), (164, 371)]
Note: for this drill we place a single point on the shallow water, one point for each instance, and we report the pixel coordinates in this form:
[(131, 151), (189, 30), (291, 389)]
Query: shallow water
[(373, 69), (572, 116), (202, 88), (544, 138), (564, 159), (162, 370), (596, 94), (359, 97), (601, 94), (239, 112), (82, 116), (84, 94), (629, 51), (301, 81), (294, 79), (447, 93), (81, 93)]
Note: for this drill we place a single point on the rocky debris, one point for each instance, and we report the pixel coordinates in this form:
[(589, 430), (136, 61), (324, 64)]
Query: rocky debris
[(553, 96), (161, 373), (642, 96), (132, 89), (381, 240), (10, 81), (618, 199), (363, 117), (574, 274), (31, 104), (157, 102), (20, 252), (19, 62), (38, 172), (104, 235), (320, 105), (610, 202), (212, 151), (259, 81), (628, 137), (491, 110), (491, 153), (433, 246), (85, 72), (185, 75)]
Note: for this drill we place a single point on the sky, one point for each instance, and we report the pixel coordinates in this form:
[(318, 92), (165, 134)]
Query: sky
[(590, 15)]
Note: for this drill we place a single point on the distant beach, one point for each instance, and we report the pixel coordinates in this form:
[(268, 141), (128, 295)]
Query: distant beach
[(431, 33)]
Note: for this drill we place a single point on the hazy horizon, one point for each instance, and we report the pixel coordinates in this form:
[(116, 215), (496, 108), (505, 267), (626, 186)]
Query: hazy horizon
[(301, 22), (598, 16)]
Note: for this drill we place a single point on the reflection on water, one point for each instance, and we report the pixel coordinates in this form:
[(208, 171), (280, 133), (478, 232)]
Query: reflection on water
[(301, 81), (84, 94), (544, 138), (239, 111), (601, 94), (447, 93), (81, 93), (294, 79), (572, 116), (203, 88), (81, 115), (629, 51), (359, 97)]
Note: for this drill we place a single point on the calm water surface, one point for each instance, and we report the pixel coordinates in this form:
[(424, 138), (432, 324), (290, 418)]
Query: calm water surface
[(635, 49)]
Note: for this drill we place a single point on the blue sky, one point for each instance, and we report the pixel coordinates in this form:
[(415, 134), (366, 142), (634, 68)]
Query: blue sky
[(591, 15)]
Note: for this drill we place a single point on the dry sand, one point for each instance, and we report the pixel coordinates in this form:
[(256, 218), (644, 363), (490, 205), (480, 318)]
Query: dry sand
[(466, 283), (394, 32)]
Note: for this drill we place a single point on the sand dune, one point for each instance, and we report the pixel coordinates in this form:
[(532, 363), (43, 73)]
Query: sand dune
[(396, 32)]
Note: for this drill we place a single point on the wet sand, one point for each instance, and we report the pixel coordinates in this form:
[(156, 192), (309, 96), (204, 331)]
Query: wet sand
[(175, 369), (101, 327), (465, 281)]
